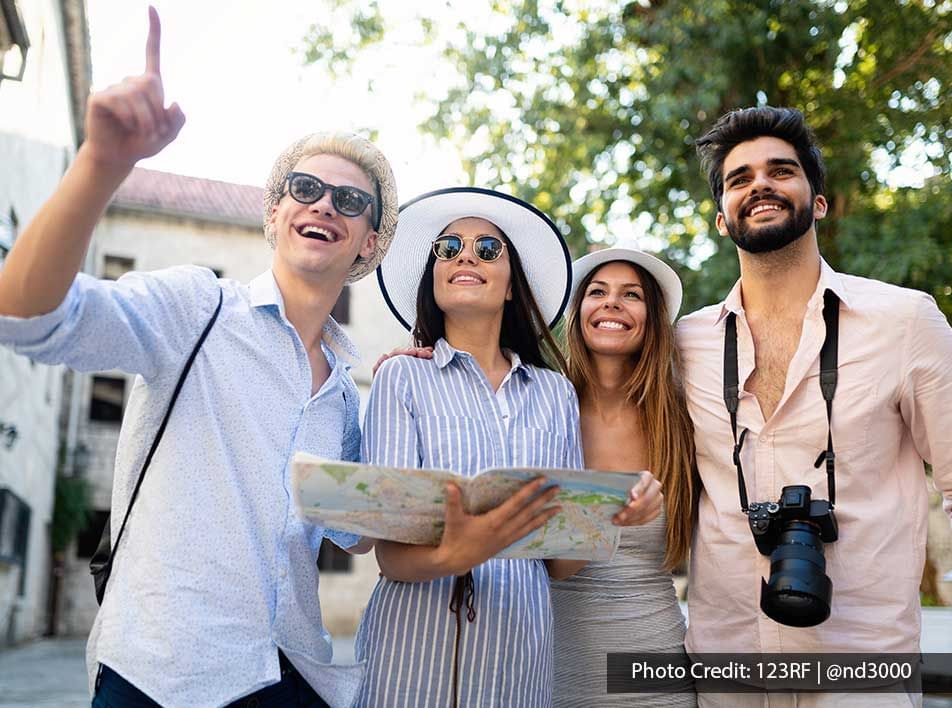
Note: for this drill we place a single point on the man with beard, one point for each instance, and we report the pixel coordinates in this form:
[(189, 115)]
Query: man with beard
[(883, 409)]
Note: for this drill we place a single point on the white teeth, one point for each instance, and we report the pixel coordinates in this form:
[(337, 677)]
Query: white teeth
[(318, 231), (465, 279), (764, 207), (608, 324)]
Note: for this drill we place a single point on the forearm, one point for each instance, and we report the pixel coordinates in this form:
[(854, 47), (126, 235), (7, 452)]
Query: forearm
[(49, 253), (411, 563), (560, 569)]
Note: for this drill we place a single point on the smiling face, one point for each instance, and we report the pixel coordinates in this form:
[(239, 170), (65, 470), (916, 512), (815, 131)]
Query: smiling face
[(612, 312), (767, 202), (314, 238), (465, 285)]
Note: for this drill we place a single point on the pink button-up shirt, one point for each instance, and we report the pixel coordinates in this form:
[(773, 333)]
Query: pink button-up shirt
[(891, 411)]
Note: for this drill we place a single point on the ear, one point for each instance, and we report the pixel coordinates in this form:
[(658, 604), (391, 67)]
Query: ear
[(274, 215), (721, 224), (370, 245), (819, 207), (509, 292)]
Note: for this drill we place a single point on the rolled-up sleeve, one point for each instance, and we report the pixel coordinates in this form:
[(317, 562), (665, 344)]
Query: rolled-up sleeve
[(926, 397), (139, 324)]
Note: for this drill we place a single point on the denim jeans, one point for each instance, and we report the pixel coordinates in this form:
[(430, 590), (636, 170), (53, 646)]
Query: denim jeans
[(113, 691)]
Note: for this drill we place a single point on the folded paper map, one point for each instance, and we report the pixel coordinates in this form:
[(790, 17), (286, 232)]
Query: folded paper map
[(407, 505)]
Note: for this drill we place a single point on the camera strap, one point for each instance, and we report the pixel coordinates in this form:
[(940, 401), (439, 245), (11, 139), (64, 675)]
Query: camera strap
[(828, 381)]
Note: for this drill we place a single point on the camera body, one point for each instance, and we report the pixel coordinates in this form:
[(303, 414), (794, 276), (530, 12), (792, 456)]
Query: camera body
[(792, 532), (768, 519)]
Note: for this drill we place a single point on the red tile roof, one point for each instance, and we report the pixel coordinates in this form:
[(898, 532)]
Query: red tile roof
[(207, 199)]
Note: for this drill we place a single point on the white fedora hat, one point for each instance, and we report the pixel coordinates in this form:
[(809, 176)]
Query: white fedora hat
[(668, 280), (541, 248)]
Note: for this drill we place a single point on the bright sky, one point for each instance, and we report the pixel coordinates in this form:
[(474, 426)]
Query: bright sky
[(246, 96)]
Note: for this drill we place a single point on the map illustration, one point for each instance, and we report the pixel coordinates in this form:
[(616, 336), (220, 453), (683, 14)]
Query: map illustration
[(407, 505)]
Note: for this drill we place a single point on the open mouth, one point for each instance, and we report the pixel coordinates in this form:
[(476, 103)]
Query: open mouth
[(765, 208), (466, 279), (318, 233), (612, 325)]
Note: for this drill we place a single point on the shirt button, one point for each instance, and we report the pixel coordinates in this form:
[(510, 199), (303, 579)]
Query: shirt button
[(505, 415), (763, 438)]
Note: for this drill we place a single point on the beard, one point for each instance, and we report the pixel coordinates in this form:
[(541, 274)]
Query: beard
[(767, 239)]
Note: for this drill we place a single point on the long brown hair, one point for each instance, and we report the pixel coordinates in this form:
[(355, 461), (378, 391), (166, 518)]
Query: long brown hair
[(656, 390), (524, 329)]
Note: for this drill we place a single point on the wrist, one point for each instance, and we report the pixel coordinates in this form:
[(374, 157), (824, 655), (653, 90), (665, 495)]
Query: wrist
[(446, 563), (111, 170)]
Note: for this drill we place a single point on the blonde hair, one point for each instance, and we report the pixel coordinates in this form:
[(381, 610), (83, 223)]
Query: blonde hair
[(346, 145), (656, 390)]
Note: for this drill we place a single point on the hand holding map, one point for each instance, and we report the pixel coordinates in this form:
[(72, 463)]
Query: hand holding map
[(408, 505)]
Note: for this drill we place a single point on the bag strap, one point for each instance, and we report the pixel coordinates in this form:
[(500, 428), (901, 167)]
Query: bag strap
[(165, 420)]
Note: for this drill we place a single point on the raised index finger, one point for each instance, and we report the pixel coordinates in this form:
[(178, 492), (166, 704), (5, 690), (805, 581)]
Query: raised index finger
[(152, 43)]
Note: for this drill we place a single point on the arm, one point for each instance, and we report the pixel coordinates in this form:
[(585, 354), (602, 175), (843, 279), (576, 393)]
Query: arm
[(925, 401), (350, 452), (390, 438), (124, 124)]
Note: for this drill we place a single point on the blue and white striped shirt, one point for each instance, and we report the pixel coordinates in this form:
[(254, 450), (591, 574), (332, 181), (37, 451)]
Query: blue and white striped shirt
[(215, 570), (443, 414)]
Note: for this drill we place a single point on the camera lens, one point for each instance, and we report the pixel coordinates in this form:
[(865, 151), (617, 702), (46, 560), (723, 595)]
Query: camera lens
[(798, 592)]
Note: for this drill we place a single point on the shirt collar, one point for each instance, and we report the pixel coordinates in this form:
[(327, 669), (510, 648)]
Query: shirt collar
[(829, 280), (264, 292), (444, 353)]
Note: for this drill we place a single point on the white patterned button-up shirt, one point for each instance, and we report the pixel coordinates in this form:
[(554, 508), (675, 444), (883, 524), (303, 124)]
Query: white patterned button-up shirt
[(215, 571)]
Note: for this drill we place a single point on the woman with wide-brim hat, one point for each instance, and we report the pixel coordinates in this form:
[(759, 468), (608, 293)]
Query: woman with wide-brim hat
[(624, 364), (479, 276)]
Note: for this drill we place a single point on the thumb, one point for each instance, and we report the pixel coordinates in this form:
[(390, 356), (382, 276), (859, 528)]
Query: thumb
[(454, 506), (175, 120)]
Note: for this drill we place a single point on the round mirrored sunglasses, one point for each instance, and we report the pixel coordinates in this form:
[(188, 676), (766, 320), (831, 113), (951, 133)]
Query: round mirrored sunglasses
[(486, 248)]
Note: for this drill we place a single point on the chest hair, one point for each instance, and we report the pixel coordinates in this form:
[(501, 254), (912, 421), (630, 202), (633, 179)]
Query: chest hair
[(775, 343)]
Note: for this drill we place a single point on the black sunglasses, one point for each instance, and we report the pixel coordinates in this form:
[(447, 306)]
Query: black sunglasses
[(347, 200), (486, 247)]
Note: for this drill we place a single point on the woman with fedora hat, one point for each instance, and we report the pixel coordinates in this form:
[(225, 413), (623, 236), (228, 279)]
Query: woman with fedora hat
[(624, 364), (480, 277)]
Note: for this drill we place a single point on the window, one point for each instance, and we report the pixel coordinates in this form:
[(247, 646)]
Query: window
[(9, 227), (14, 42), (109, 393), (341, 311), (114, 267), (332, 559), (14, 527), (88, 539)]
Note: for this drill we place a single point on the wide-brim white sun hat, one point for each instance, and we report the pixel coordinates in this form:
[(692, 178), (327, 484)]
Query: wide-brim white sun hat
[(542, 250), (668, 280)]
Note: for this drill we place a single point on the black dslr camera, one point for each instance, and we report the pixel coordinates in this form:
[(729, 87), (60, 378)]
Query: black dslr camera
[(792, 532)]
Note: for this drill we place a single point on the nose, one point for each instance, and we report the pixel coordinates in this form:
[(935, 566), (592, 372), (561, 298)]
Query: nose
[(324, 205), (467, 255), (612, 302), (760, 183)]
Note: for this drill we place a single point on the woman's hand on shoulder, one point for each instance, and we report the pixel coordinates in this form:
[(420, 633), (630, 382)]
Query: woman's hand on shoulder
[(418, 352), (644, 503)]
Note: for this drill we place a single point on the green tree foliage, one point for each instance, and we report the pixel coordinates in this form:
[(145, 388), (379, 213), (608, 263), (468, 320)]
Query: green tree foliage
[(70, 510), (589, 109)]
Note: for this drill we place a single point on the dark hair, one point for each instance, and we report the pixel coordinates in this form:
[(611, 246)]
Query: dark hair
[(524, 329), (746, 124)]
